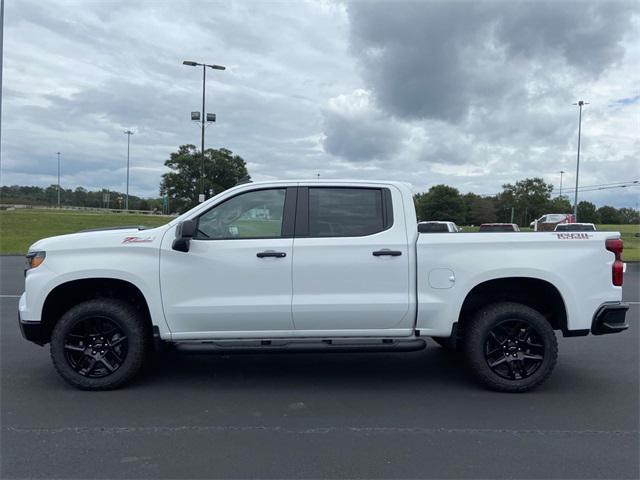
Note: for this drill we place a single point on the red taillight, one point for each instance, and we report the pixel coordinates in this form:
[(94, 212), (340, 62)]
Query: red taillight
[(617, 270)]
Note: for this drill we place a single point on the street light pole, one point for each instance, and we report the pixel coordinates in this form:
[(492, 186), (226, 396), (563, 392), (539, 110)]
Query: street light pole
[(128, 133), (1, 69), (58, 154), (203, 117), (204, 84), (580, 104), (562, 172)]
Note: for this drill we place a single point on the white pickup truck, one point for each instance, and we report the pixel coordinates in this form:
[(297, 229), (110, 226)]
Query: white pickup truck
[(317, 266)]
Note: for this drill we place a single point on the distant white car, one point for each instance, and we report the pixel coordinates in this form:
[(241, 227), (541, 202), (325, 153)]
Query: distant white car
[(575, 227), (438, 227), (547, 223)]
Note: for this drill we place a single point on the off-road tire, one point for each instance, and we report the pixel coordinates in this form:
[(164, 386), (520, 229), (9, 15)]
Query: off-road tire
[(130, 322), (475, 342)]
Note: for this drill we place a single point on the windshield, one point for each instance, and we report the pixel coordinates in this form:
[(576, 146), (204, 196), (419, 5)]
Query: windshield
[(555, 218)]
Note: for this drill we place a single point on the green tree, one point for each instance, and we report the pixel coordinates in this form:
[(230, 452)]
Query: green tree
[(609, 215), (222, 170), (629, 215), (479, 209), (79, 197), (530, 198), (441, 202), (468, 199), (559, 205), (587, 212), (51, 194)]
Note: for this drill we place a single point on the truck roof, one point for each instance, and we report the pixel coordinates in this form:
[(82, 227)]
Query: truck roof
[(321, 181)]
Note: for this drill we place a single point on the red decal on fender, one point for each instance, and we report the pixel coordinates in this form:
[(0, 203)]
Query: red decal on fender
[(137, 240)]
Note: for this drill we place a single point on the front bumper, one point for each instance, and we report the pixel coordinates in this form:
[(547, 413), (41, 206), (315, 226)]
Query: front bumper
[(610, 318), (32, 331)]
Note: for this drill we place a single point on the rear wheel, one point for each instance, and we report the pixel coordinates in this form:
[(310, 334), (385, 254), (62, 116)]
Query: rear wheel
[(510, 347), (99, 344)]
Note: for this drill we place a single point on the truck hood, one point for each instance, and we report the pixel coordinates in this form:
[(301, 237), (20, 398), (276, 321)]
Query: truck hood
[(101, 238)]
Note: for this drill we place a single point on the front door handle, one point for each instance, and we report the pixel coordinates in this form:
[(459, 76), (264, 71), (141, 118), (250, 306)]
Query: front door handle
[(387, 252), (271, 253)]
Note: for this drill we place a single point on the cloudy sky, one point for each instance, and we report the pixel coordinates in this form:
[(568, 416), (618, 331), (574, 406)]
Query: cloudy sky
[(473, 95)]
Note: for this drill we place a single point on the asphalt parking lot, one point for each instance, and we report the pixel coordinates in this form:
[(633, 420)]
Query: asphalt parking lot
[(367, 415)]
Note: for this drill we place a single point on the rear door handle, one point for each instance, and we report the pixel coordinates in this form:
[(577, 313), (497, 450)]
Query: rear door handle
[(271, 253), (387, 252)]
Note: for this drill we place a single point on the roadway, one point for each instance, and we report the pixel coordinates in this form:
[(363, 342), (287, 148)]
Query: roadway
[(321, 416)]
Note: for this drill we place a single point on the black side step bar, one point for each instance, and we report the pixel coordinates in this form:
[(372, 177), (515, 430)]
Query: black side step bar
[(285, 346)]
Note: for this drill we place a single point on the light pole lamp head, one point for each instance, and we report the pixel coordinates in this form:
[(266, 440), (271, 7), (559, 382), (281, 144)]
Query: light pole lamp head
[(190, 63), (217, 67), (195, 116), (211, 117)]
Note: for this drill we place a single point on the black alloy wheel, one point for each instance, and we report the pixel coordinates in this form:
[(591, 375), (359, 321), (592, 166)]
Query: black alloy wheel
[(95, 347), (514, 350)]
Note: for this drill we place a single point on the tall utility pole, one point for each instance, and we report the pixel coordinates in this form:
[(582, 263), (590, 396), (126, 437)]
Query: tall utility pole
[(580, 104), (128, 133), (562, 172), (1, 60), (58, 154), (204, 117)]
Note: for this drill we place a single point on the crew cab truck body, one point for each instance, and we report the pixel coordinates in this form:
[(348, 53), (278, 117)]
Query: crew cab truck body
[(326, 266)]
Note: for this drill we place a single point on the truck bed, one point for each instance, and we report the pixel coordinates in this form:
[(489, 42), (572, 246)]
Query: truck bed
[(450, 265)]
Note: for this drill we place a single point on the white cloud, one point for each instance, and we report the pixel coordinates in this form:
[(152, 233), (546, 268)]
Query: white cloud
[(472, 95)]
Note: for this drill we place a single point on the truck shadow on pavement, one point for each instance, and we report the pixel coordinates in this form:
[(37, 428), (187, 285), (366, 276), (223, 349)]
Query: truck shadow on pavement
[(433, 368), (435, 364)]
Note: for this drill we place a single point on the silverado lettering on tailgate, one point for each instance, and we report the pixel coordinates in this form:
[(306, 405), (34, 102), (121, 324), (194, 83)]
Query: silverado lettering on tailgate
[(573, 236)]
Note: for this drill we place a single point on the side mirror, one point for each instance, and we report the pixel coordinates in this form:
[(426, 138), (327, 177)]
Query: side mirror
[(184, 233)]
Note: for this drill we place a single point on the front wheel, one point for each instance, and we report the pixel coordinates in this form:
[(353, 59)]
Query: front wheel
[(510, 347), (99, 344)]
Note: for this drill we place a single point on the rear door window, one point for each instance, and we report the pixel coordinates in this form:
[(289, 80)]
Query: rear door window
[(345, 212)]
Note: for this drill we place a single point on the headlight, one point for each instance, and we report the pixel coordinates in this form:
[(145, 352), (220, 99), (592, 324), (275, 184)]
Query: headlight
[(35, 259)]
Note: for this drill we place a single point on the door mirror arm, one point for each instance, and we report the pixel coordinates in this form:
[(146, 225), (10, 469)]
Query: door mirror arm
[(185, 231)]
